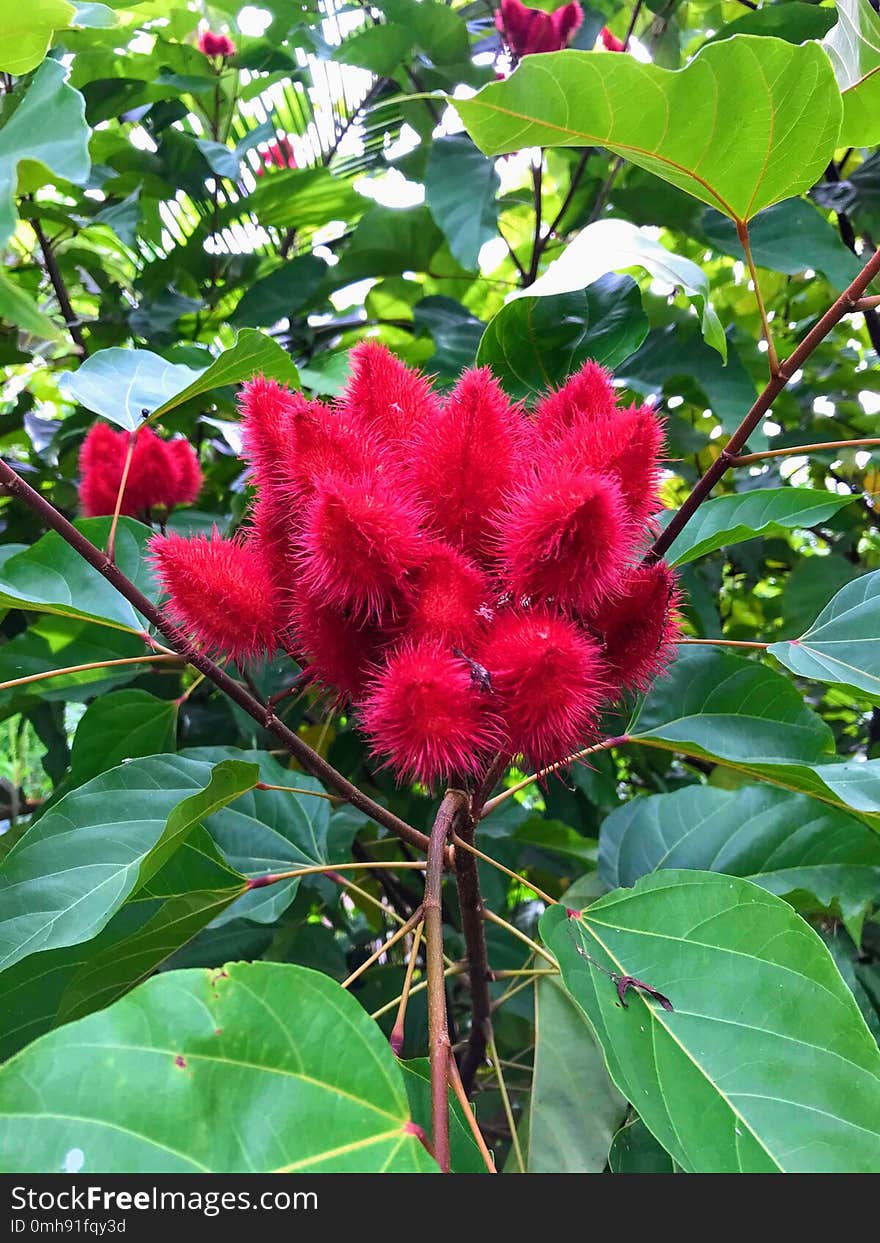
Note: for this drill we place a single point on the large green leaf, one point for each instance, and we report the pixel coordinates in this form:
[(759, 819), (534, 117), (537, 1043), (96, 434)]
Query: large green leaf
[(818, 857), (302, 198), (282, 293), (73, 870), (460, 189), (765, 1064), (26, 31), (118, 727), (843, 643), (533, 343), (609, 246), (854, 48), (575, 1108), (51, 577), (720, 707), (260, 1067), (47, 131), (634, 1150), (746, 123), (768, 511), (127, 386), (17, 307)]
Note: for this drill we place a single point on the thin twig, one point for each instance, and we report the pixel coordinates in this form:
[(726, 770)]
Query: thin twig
[(844, 305), (520, 936), (470, 1116), (117, 508), (605, 745), (505, 1100), (92, 664), (398, 1030), (746, 459), (537, 195), (263, 715), (415, 918), (64, 303)]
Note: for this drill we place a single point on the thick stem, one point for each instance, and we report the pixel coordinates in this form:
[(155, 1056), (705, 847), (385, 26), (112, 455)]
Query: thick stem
[(453, 806), (470, 903), (64, 303), (846, 303), (262, 714)]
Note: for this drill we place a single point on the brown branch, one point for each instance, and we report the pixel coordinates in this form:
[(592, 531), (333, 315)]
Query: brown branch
[(260, 712), (844, 305), (537, 193), (439, 1047), (64, 303), (470, 904)]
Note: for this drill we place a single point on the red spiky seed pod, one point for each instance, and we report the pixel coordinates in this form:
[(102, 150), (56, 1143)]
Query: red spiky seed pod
[(339, 653), (384, 395), (426, 716), (548, 680), (161, 473), (639, 627), (269, 411), (101, 460), (565, 536), (360, 540), (627, 448), (189, 480), (586, 397), (466, 460), (220, 593), (450, 596)]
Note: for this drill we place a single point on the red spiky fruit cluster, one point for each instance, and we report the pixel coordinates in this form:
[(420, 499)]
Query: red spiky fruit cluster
[(465, 573), (162, 473)]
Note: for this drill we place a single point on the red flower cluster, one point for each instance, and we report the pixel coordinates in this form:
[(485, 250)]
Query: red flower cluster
[(211, 44), (277, 155), (610, 42), (163, 473), (464, 572), (528, 30)]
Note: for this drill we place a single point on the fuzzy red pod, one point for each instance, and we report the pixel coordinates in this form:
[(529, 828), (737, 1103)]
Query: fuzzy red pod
[(627, 448), (467, 458), (529, 30), (549, 680), (565, 536), (101, 461), (269, 411), (152, 476), (214, 44), (585, 399), (426, 715), (360, 540), (185, 462), (339, 653), (450, 596), (639, 627), (332, 442), (220, 593), (610, 42), (384, 395)]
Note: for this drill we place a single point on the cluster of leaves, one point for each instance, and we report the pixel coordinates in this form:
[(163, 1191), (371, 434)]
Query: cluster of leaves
[(174, 223)]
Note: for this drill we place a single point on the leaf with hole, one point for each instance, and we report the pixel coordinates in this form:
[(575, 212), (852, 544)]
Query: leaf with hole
[(744, 971)]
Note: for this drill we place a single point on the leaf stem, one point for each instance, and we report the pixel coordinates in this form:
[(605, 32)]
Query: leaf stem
[(117, 508), (92, 664), (605, 745), (746, 459), (460, 844), (414, 919), (724, 643), (333, 798), (505, 1100), (742, 231), (520, 936), (462, 1098), (844, 305), (398, 1031), (273, 878)]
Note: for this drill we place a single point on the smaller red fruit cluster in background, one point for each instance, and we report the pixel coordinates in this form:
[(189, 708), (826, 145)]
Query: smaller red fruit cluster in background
[(163, 473), (211, 44), (464, 572), (527, 31), (278, 154)]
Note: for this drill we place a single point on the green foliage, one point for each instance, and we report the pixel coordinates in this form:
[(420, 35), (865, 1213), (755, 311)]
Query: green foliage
[(171, 226)]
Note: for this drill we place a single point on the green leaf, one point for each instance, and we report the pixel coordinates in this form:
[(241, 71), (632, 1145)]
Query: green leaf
[(746, 123), (819, 858), (221, 159), (17, 307), (73, 870), (282, 293), (26, 31), (732, 519), (608, 246), (380, 49), (793, 21), (121, 385), (575, 1108), (853, 46), (740, 713), (46, 132), (460, 189), (122, 726), (256, 1068), (843, 643), (790, 237), (533, 343), (301, 198), (810, 586), (801, 1090), (465, 1155), (456, 334), (387, 242), (50, 577), (634, 1150)]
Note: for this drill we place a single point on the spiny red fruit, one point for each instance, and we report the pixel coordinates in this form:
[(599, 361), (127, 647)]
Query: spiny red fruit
[(549, 681), (425, 714), (161, 473), (627, 448), (565, 536), (220, 592), (360, 540), (268, 414), (585, 398), (385, 395), (467, 458), (450, 596), (211, 44), (639, 627), (339, 653)]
